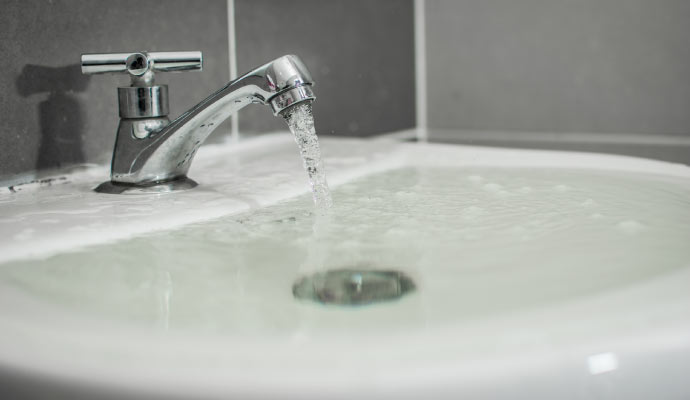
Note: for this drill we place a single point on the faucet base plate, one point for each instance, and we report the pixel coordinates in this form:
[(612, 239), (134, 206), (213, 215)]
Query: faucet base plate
[(176, 185)]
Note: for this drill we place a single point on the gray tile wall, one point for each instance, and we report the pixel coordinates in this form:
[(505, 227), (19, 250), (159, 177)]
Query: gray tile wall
[(53, 116), (360, 53), (559, 65)]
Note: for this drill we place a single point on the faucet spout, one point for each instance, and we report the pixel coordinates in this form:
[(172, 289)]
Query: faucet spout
[(149, 151)]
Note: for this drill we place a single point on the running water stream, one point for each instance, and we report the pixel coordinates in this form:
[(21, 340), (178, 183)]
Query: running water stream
[(343, 286), (301, 122)]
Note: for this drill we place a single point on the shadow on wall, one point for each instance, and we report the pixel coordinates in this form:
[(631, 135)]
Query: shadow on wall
[(60, 114)]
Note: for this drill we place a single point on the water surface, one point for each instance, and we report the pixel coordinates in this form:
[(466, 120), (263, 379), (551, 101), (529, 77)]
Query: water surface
[(478, 243)]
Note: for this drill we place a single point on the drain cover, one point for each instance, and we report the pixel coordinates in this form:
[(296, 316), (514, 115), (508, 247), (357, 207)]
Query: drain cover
[(353, 286)]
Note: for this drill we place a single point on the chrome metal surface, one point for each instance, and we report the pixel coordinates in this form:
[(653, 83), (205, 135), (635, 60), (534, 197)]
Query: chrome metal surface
[(293, 96), (150, 153), (353, 286), (139, 63), (110, 187), (143, 101), (141, 128), (141, 66)]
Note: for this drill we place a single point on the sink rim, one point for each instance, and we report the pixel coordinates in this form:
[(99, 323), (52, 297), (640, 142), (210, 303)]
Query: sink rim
[(356, 158), (345, 158)]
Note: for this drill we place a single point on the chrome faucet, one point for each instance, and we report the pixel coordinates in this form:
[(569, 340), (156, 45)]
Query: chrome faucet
[(153, 154)]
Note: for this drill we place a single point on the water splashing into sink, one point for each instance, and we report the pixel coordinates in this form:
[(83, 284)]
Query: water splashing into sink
[(301, 122)]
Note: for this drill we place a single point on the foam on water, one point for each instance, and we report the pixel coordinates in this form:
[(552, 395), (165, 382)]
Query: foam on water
[(301, 122), (471, 252)]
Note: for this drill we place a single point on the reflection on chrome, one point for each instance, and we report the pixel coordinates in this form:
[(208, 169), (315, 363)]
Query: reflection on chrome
[(152, 153), (602, 362)]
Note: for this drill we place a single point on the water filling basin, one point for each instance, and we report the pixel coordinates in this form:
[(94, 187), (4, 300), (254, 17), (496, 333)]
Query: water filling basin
[(441, 271)]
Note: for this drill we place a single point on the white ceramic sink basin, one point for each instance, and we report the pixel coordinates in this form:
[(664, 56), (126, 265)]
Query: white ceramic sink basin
[(537, 275)]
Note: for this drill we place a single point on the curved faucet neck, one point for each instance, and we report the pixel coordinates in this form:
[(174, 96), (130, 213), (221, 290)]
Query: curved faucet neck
[(151, 150)]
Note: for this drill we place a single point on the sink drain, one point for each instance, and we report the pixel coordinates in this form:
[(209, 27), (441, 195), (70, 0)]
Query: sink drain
[(353, 286)]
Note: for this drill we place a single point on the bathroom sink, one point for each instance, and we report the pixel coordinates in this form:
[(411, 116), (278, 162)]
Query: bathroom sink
[(528, 274)]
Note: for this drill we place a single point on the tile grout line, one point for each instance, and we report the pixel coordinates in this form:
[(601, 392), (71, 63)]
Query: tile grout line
[(420, 70), (232, 55)]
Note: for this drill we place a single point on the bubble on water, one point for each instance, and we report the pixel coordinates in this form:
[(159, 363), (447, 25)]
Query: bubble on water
[(402, 194), (536, 222), (370, 200), (475, 178), (596, 216), (561, 188), (472, 212), (517, 230), (349, 244), (630, 227), (405, 220), (492, 187), (588, 203), (472, 235)]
